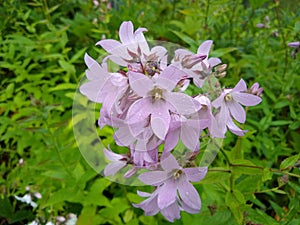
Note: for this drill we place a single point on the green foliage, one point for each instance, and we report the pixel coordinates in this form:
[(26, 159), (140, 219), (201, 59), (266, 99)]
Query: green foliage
[(253, 180)]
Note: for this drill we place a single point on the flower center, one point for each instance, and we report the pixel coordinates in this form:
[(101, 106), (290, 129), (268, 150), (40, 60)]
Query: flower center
[(156, 93), (177, 173), (228, 97)]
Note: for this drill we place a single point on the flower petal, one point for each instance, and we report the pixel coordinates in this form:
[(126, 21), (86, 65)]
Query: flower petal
[(195, 174), (92, 90), (170, 76), (112, 156), (190, 136), (149, 205), (160, 121), (171, 212), (237, 111), (123, 136), (140, 83), (214, 61), (169, 163), (113, 167), (167, 194), (182, 103), (204, 48), (171, 140), (154, 178), (188, 194), (240, 86), (234, 128), (246, 99), (139, 111), (126, 32), (111, 46)]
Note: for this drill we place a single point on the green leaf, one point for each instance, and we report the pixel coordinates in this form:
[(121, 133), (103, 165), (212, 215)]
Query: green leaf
[(6, 208), (128, 215), (216, 175), (233, 201), (259, 216), (290, 161), (222, 51), (281, 123), (186, 39), (66, 86)]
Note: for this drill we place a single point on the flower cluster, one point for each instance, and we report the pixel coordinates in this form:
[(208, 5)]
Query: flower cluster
[(145, 101)]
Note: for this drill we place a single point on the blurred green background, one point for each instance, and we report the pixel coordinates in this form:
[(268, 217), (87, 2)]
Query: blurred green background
[(254, 179)]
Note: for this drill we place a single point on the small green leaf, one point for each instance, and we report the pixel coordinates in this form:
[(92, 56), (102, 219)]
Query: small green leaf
[(290, 161), (65, 86), (128, 215)]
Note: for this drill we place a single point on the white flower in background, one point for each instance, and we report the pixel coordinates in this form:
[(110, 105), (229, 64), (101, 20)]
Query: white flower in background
[(50, 223), (33, 223), (27, 199), (72, 219)]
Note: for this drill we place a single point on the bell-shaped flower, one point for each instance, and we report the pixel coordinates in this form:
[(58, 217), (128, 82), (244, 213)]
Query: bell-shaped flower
[(157, 99), (231, 100), (97, 75), (197, 66), (118, 161), (173, 183)]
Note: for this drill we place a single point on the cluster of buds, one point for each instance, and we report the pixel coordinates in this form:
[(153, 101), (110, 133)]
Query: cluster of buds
[(147, 104)]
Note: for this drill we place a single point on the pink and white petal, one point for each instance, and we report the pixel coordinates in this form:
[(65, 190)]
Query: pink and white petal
[(170, 76), (160, 123), (171, 212), (130, 172), (219, 101), (143, 194), (240, 86), (215, 130), (113, 167), (237, 111), (92, 90), (117, 59), (188, 209), (159, 51), (139, 111), (167, 194), (141, 40), (171, 140), (181, 53), (112, 156), (126, 32), (204, 48), (235, 129), (123, 136), (182, 103), (246, 99), (190, 137), (189, 194), (169, 163), (140, 83), (110, 45), (154, 178), (198, 81), (214, 61), (95, 71), (141, 148), (149, 205), (195, 174)]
